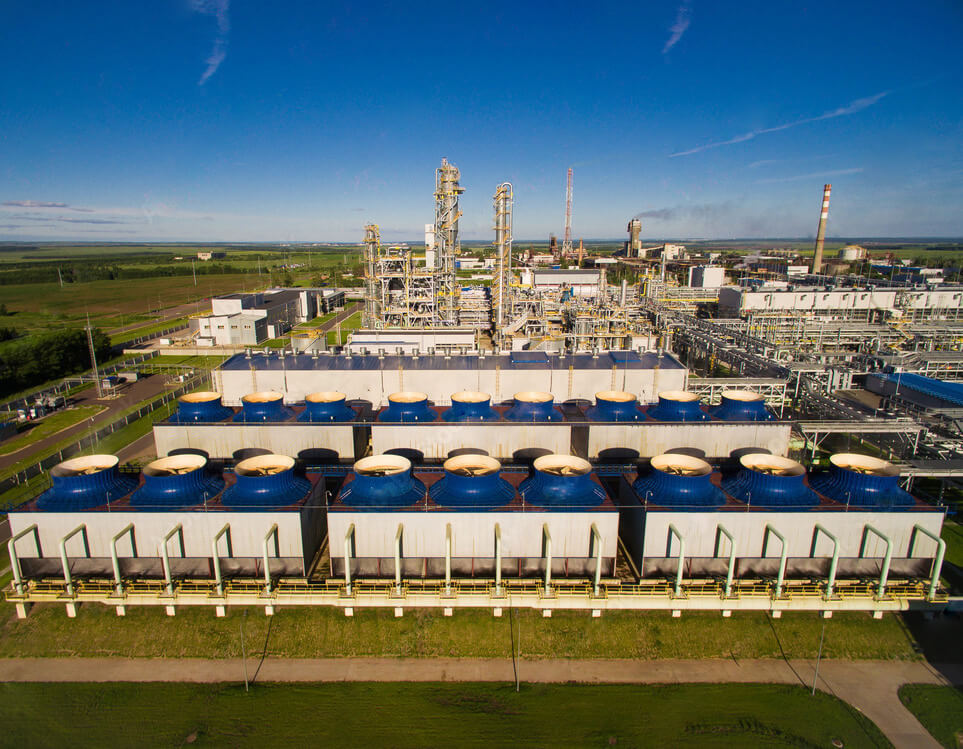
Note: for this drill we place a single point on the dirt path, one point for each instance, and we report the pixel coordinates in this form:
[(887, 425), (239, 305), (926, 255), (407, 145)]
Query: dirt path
[(869, 686)]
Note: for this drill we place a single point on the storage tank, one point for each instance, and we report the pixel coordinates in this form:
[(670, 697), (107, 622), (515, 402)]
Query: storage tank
[(326, 406), (742, 405), (84, 483), (771, 482), (177, 482), (680, 482), (204, 406), (862, 481), (469, 405), (382, 482), (264, 406), (531, 405), (265, 482), (562, 482), (407, 407), (615, 405), (472, 482), (678, 405)]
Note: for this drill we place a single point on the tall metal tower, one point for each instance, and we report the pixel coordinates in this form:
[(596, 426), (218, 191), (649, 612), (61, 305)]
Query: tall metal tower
[(447, 246), (821, 231), (567, 241), (502, 300), (372, 317)]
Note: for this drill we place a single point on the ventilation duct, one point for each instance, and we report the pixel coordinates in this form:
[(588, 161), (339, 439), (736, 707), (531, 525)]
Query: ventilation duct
[(680, 482), (533, 406), (382, 482), (175, 482), (678, 405), (563, 482), (742, 405), (200, 407), (326, 406), (407, 407), (615, 405), (472, 482), (469, 405), (84, 483), (264, 406), (265, 482), (862, 481), (771, 482)]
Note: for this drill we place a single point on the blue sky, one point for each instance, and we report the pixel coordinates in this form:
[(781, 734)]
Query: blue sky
[(231, 120)]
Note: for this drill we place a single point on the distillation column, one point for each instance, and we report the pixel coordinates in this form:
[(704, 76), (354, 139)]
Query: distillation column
[(447, 214), (503, 256), (373, 308)]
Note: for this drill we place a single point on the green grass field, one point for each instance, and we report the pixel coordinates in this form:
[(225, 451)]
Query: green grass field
[(38, 430), (129, 335), (939, 709), (428, 715), (309, 632), (348, 326)]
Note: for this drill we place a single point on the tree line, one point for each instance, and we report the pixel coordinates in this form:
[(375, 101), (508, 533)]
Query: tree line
[(81, 273), (31, 361)]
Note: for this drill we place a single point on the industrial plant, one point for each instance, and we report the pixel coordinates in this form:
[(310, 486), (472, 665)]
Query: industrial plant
[(552, 440)]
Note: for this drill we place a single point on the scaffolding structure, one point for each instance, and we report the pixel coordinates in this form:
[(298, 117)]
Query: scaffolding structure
[(447, 245), (502, 286)]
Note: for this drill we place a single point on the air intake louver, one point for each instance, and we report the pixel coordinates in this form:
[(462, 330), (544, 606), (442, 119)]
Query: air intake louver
[(614, 405), (265, 482), (742, 405), (407, 407), (382, 482), (177, 482), (263, 407), (472, 482), (771, 482), (678, 405), (471, 406), (533, 406), (562, 481), (680, 482), (862, 481), (326, 407), (84, 483), (200, 407)]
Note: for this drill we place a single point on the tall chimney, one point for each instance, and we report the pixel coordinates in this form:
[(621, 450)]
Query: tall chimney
[(821, 232)]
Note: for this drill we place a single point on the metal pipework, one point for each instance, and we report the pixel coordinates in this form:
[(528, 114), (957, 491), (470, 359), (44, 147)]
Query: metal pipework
[(673, 531), (348, 544), (503, 252), (782, 555), (821, 231), (722, 531), (398, 539), (82, 528), (884, 574), (937, 560), (15, 561), (498, 560), (831, 581), (216, 557), (547, 549), (597, 544), (118, 582), (165, 556), (277, 552)]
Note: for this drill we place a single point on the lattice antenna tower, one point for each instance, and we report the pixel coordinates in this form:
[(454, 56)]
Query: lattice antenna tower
[(567, 240)]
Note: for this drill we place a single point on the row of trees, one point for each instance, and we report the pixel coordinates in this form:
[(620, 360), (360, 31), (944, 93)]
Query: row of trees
[(31, 361)]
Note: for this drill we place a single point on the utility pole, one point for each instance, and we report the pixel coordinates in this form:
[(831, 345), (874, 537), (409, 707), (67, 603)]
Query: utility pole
[(93, 358), (60, 277), (193, 272)]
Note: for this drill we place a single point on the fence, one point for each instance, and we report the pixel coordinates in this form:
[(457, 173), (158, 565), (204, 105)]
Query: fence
[(147, 337), (89, 441), (68, 382)]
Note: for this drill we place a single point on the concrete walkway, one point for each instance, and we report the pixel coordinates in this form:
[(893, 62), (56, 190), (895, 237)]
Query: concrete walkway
[(869, 686)]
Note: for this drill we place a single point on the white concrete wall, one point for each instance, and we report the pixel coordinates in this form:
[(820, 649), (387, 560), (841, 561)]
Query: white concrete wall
[(222, 440), (716, 439), (500, 440)]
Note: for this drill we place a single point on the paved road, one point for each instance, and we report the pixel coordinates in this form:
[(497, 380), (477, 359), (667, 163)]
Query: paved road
[(869, 686)]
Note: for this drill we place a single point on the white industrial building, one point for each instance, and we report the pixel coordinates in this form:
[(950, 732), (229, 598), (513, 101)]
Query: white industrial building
[(582, 282), (249, 319)]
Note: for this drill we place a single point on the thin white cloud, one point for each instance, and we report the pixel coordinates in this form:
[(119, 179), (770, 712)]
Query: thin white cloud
[(218, 9), (857, 105), (683, 18), (813, 175), (33, 204)]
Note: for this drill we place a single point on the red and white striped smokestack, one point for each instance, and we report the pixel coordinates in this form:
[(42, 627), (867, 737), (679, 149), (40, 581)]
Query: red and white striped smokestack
[(821, 232)]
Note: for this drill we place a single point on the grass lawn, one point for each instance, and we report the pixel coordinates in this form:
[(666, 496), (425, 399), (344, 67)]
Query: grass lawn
[(953, 535), (314, 632), (939, 709), (51, 424), (428, 714), (349, 325), (129, 335), (197, 362)]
